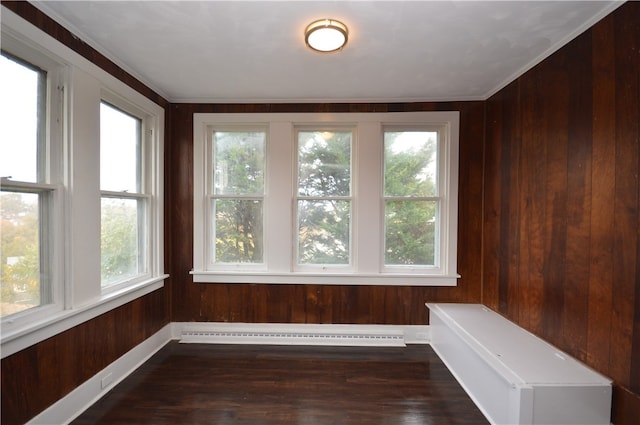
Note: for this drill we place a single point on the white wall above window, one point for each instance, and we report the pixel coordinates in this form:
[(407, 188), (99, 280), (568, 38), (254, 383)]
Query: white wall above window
[(367, 224)]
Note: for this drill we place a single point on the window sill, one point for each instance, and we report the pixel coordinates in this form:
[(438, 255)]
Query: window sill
[(14, 340), (396, 279)]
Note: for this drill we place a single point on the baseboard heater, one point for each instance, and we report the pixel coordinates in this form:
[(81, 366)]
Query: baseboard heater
[(513, 376), (301, 334)]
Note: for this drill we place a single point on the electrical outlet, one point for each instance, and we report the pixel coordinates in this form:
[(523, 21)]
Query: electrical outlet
[(422, 336)]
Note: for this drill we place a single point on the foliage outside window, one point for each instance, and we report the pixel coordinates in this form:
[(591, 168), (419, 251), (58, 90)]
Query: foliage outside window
[(324, 197), (327, 198), (123, 221), (411, 198), (237, 198), (26, 195)]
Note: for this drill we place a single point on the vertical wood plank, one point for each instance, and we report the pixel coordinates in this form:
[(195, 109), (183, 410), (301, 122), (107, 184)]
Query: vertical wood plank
[(492, 202), (626, 407), (48, 370), (532, 207), (578, 198), (276, 304), (470, 196), (632, 24), (555, 107), (600, 281), (19, 397), (509, 219), (626, 199), (299, 305)]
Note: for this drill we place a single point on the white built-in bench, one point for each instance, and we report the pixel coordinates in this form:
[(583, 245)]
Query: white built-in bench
[(513, 376)]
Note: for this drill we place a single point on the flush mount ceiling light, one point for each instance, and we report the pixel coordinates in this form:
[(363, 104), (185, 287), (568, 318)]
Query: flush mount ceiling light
[(326, 35)]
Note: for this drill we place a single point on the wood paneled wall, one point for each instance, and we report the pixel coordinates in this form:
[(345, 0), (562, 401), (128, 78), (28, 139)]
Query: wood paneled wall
[(35, 378), (321, 303), (38, 376), (561, 221), (555, 247)]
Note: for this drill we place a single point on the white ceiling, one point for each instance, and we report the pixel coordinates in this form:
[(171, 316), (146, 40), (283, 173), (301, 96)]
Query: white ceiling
[(254, 51)]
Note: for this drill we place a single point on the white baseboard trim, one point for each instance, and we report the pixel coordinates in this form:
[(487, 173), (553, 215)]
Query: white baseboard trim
[(77, 401), (302, 334)]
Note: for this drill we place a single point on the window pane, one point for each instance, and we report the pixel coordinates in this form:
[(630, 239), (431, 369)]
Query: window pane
[(238, 231), (410, 163), (122, 239), (22, 98), (20, 252), (238, 159), (120, 149), (410, 233), (323, 232), (324, 163)]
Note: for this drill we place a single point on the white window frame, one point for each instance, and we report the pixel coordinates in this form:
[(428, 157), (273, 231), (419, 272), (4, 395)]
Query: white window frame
[(146, 192), (50, 185), (210, 196), (441, 195), (367, 222), (349, 267), (81, 87)]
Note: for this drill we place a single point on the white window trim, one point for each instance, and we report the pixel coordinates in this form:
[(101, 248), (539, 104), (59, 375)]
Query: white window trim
[(149, 190), (53, 180), (209, 196), (367, 269), (78, 296)]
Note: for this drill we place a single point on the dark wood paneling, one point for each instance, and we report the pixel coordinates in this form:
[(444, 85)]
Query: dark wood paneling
[(321, 303), (38, 376), (560, 250), (626, 273), (600, 281), (626, 409), (562, 161)]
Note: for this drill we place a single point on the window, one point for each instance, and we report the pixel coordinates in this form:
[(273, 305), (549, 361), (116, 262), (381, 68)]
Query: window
[(123, 224), (410, 198), (342, 198), (236, 196), (324, 198), (28, 207), (81, 160)]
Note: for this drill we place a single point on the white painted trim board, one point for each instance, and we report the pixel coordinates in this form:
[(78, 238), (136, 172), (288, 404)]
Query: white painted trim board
[(77, 401)]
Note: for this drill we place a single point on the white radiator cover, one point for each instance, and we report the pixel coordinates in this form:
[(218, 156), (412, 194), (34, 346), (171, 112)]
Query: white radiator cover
[(303, 334)]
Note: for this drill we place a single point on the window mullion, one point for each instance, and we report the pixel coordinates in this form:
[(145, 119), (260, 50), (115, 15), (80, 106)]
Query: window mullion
[(279, 199), (367, 208)]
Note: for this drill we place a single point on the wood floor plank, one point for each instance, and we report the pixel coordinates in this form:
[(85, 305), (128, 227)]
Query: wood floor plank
[(260, 385)]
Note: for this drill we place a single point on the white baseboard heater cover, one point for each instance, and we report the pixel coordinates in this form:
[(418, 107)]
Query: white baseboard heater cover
[(513, 376), (296, 334)]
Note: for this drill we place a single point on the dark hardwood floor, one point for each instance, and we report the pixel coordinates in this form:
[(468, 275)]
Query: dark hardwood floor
[(301, 385)]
